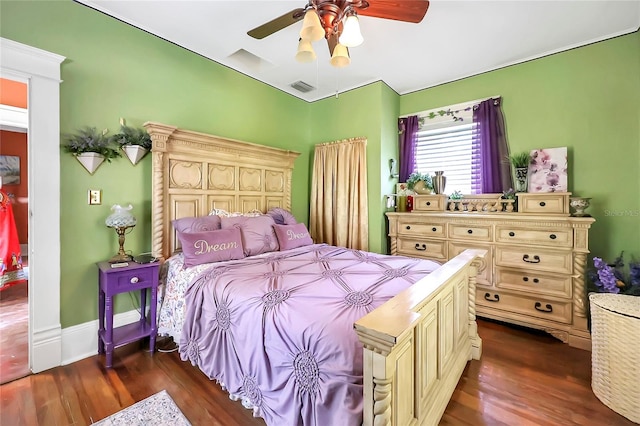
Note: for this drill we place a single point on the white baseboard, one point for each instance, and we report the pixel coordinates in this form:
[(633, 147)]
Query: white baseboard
[(81, 341)]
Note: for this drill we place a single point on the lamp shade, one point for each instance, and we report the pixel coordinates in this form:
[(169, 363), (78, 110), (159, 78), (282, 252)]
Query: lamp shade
[(121, 217), (340, 57), (311, 28), (351, 35), (305, 51)]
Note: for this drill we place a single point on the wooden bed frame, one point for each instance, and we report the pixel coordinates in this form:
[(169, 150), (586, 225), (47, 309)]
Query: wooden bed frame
[(416, 345)]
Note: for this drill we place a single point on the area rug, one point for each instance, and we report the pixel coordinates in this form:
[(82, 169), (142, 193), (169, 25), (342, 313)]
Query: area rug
[(159, 409)]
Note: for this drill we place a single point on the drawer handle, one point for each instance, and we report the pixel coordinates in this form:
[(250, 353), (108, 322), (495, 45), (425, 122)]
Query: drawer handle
[(428, 203), (512, 234), (548, 307), (489, 298), (434, 229), (408, 227), (553, 236), (421, 247), (134, 280), (536, 259), (469, 231), (526, 279), (542, 204)]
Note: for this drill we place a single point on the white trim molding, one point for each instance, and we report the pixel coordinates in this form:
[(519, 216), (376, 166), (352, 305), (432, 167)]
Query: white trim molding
[(13, 119), (41, 71), (81, 341)]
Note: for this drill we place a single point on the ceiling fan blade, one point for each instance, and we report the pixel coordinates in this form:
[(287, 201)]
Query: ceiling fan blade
[(277, 24), (402, 10)]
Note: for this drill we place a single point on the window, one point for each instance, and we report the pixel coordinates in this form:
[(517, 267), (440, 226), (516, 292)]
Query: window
[(445, 142)]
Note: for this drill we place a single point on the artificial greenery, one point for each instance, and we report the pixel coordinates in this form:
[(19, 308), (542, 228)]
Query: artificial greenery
[(509, 194), (88, 139), (520, 160), (456, 195), (132, 136), (416, 177)]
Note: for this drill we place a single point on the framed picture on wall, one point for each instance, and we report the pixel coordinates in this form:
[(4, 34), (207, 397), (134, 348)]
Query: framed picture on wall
[(548, 170), (10, 169)]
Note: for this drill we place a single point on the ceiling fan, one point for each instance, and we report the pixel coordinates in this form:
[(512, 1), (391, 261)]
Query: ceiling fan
[(337, 22)]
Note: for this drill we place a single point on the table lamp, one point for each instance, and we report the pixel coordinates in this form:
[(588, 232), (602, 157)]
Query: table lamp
[(121, 219)]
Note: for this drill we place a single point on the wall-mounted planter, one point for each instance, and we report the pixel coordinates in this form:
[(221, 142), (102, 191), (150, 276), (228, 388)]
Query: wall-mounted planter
[(135, 153), (90, 160)]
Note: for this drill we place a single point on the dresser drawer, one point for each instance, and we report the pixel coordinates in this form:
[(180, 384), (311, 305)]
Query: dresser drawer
[(485, 273), (544, 203), (429, 203), (547, 237), (534, 282), (470, 232), (537, 307), (534, 259), (131, 280), (422, 248), (417, 230)]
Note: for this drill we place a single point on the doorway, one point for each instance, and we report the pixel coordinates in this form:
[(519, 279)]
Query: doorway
[(14, 221), (41, 71)]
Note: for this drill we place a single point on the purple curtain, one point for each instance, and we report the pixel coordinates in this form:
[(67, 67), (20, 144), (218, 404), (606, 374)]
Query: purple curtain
[(408, 128), (490, 135)]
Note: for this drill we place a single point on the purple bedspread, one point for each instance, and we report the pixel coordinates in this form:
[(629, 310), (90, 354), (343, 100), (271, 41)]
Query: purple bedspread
[(276, 330)]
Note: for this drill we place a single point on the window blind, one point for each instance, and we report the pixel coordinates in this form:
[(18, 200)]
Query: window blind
[(453, 150)]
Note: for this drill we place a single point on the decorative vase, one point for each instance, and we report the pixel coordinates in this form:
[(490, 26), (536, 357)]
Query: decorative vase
[(421, 188), (579, 205), (135, 153), (521, 179), (90, 160), (439, 182)]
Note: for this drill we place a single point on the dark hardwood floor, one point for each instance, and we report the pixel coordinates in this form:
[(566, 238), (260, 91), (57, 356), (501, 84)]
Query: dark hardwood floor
[(523, 378)]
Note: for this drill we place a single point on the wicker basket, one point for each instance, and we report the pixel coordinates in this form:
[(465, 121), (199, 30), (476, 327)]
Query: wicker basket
[(615, 339)]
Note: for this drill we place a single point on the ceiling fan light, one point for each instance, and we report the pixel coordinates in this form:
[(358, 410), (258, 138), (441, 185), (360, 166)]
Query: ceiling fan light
[(311, 28), (351, 35), (305, 52), (340, 57)]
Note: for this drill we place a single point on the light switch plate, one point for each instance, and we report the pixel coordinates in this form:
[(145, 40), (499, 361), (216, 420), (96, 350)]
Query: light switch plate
[(95, 197)]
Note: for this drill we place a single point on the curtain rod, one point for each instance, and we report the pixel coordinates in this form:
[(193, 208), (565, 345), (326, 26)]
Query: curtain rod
[(458, 106)]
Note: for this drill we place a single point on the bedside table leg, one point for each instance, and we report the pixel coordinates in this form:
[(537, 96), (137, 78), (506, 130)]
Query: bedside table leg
[(109, 330), (152, 318), (100, 321)]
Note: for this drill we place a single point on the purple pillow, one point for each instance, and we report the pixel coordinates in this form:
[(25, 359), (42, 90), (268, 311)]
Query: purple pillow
[(257, 233), (292, 236), (197, 224), (282, 216), (211, 246)]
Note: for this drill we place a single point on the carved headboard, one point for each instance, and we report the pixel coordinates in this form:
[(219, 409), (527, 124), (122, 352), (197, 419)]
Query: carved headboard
[(196, 172)]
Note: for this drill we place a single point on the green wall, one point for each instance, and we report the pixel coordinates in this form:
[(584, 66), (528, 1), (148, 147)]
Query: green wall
[(587, 99), (113, 70), (370, 111)]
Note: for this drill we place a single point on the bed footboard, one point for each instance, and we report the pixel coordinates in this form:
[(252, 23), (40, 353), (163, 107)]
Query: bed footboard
[(417, 345)]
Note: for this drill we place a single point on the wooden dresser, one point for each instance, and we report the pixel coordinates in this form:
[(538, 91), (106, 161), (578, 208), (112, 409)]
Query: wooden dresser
[(534, 274)]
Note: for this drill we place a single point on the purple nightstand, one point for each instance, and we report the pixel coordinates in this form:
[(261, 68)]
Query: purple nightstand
[(113, 281)]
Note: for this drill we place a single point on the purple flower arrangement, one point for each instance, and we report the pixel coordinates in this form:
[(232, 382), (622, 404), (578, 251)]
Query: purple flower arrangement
[(610, 278)]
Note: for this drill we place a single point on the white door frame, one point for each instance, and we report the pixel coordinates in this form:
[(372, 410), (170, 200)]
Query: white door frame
[(41, 71)]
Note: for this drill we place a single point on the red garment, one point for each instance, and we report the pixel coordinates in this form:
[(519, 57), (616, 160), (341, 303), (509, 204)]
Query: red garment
[(10, 258)]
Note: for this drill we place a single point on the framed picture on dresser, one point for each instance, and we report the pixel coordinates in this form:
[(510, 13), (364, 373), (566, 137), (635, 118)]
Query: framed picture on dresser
[(548, 170)]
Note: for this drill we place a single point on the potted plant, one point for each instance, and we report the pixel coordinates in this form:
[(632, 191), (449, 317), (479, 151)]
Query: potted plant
[(420, 183), (133, 141), (520, 164), (90, 147)]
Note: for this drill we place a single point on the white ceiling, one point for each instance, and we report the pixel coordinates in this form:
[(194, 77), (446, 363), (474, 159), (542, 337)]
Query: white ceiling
[(456, 39)]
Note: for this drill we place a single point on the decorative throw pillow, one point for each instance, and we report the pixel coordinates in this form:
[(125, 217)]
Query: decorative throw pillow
[(211, 246), (196, 224), (292, 236), (257, 233), (282, 216)]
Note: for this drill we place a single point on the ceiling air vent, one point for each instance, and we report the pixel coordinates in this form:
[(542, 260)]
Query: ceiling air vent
[(303, 87)]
